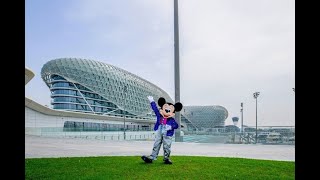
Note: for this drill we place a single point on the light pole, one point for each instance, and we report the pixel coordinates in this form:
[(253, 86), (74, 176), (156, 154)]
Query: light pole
[(241, 110), (255, 95), (178, 137), (124, 112)]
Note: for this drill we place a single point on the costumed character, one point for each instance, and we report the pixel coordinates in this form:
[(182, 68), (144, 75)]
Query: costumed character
[(164, 127)]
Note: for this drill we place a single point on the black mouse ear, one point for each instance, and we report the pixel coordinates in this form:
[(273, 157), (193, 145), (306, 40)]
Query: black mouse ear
[(161, 101), (177, 107)]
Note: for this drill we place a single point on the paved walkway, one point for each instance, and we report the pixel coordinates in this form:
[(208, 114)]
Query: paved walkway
[(38, 147)]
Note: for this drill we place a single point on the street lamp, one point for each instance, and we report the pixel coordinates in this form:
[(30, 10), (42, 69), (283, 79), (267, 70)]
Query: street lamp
[(241, 110), (178, 137), (124, 112), (255, 95)]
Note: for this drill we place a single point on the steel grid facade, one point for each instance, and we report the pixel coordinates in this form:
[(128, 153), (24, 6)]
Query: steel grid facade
[(206, 116), (90, 86)]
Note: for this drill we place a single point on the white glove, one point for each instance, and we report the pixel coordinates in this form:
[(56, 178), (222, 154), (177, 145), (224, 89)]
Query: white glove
[(150, 98), (168, 127)]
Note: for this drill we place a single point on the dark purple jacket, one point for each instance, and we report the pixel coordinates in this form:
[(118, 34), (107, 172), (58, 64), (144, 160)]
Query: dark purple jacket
[(170, 121)]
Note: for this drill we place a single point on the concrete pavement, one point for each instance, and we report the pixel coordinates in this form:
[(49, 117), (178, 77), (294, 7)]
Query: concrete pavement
[(39, 147)]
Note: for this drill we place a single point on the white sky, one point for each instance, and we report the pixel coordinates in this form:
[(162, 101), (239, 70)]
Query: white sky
[(229, 49)]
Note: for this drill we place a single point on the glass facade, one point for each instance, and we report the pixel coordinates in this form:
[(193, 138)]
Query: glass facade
[(74, 97), (91, 126)]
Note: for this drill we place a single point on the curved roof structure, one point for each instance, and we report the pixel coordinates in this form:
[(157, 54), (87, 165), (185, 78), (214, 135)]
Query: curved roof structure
[(206, 116), (84, 85), (123, 90), (28, 75)]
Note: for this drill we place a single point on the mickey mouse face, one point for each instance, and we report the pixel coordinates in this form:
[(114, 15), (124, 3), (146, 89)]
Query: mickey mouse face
[(168, 109)]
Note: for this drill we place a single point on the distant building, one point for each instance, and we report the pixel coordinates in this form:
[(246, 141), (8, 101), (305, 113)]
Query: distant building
[(205, 117)]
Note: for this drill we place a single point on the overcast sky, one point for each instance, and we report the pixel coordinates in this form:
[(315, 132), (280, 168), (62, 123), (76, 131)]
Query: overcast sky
[(229, 49)]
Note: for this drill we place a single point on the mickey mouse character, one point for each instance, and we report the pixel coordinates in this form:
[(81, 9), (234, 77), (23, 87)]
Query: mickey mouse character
[(164, 128)]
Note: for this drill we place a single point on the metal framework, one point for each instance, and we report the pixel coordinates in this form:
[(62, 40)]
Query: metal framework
[(103, 84), (94, 87), (205, 116)]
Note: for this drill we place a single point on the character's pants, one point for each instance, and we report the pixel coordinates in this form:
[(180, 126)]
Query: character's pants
[(161, 137)]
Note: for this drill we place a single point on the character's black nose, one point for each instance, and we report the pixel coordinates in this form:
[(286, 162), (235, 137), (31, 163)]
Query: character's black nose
[(167, 110)]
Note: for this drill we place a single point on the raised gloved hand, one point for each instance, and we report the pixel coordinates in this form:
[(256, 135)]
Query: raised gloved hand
[(150, 98), (168, 127)]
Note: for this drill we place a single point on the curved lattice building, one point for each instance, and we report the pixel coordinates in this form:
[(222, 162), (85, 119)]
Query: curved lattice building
[(89, 86), (203, 117)]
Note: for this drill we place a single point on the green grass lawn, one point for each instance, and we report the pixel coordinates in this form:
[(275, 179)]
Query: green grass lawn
[(132, 167)]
